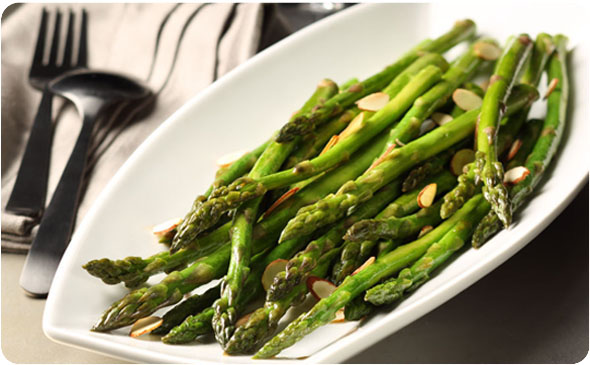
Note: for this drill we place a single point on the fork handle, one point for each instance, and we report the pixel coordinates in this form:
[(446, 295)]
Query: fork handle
[(30, 188), (56, 225)]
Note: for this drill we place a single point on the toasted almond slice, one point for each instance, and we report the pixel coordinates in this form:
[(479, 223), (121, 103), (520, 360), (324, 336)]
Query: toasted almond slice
[(426, 195), (467, 99), (145, 325), (271, 271), (382, 157), (367, 263), (229, 158), (487, 51), (330, 144), (514, 149), (242, 321), (441, 118), (353, 126), (339, 316), (425, 230), (516, 175), (373, 102), (460, 159), (551, 87), (320, 288), (281, 200), (163, 229)]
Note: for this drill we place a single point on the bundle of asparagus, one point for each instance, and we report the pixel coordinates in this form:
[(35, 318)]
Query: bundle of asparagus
[(368, 196)]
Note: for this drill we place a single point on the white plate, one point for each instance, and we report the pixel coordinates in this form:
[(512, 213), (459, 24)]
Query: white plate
[(176, 163)]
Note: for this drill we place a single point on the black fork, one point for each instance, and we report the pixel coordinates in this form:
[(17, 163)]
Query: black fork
[(30, 188)]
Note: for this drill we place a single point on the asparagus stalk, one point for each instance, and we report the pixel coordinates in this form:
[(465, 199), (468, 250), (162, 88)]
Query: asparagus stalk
[(394, 228), (274, 155), (324, 311), (459, 71), (263, 322), (201, 323), (411, 278), (133, 306), (307, 123), (244, 189), (546, 145), (299, 267), (191, 306), (488, 169), (353, 255), (466, 186)]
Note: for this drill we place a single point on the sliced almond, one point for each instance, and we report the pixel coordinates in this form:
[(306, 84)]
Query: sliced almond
[(271, 271), (367, 263), (353, 126), (441, 118), (382, 157), (514, 149), (230, 158), (516, 175), (281, 200), (165, 228), (339, 316), (242, 321), (551, 87), (426, 196), (467, 99), (373, 102), (487, 51), (145, 325), (425, 230), (320, 288), (460, 159), (331, 143)]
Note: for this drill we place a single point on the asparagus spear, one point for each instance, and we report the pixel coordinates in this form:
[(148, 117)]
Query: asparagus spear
[(408, 203), (335, 206), (244, 189), (546, 145), (411, 278), (307, 123), (355, 254), (543, 48), (430, 167), (488, 169), (324, 311), (134, 306), (191, 306), (357, 309), (274, 156), (263, 322), (459, 71), (394, 228), (299, 266), (201, 323)]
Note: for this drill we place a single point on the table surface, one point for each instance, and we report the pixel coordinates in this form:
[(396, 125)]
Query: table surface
[(531, 309)]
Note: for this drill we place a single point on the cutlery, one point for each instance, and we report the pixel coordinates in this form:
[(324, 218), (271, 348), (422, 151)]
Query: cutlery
[(91, 92), (30, 188)]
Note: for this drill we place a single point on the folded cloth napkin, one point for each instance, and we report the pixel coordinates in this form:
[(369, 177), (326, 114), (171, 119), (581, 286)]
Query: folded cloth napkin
[(121, 38)]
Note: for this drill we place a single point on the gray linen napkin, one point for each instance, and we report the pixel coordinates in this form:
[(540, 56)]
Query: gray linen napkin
[(121, 39)]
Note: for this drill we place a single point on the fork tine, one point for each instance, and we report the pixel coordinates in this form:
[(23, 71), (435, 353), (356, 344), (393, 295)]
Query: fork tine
[(40, 47), (83, 48), (55, 41), (67, 59)]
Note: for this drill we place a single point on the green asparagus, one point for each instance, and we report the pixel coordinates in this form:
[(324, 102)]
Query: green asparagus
[(308, 122), (488, 169)]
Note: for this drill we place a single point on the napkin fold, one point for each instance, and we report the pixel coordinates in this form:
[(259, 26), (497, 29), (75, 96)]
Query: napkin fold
[(121, 38)]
